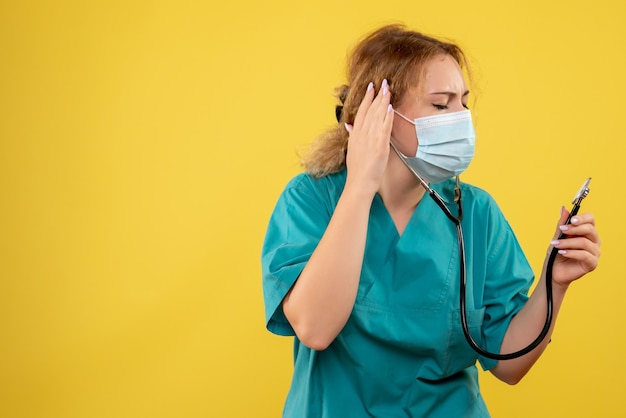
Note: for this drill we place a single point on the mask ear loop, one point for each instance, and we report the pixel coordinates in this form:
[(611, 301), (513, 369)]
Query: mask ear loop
[(404, 157), (404, 117)]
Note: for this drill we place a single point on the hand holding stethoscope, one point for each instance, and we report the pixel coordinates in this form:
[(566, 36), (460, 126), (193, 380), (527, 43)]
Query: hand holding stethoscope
[(573, 252), (576, 244)]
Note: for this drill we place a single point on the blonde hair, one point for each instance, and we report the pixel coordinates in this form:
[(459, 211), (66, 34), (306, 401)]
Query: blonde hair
[(391, 52)]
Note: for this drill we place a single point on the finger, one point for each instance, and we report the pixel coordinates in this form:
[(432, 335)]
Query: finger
[(369, 124), (388, 123), (583, 218), (582, 225), (365, 104), (588, 223), (562, 220), (565, 246), (577, 243), (378, 110), (586, 230), (588, 261)]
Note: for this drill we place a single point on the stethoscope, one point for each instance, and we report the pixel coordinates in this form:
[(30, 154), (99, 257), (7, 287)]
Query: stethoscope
[(582, 193)]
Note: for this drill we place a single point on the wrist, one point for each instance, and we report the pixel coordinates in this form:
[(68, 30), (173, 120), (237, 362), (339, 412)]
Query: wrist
[(359, 191), (559, 288)]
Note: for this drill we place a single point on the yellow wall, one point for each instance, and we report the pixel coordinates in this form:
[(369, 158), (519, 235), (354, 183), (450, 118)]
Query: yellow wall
[(143, 145)]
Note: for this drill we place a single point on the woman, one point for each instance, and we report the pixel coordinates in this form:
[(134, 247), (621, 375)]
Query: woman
[(364, 270)]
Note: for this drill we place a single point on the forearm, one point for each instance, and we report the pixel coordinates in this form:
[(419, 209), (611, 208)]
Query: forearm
[(524, 328), (322, 298)]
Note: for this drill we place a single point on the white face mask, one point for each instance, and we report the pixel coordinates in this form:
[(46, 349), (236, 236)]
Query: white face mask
[(445, 145)]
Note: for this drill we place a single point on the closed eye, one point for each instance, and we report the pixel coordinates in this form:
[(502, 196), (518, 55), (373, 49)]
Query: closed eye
[(440, 107)]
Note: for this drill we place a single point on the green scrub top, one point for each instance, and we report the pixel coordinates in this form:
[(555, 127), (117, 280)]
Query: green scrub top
[(402, 352)]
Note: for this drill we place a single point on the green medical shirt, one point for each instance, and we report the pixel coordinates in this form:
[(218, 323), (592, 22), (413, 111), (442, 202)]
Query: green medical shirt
[(402, 352)]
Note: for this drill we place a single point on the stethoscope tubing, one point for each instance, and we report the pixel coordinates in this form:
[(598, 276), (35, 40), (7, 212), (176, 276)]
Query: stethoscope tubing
[(463, 287), (463, 282), (462, 270)]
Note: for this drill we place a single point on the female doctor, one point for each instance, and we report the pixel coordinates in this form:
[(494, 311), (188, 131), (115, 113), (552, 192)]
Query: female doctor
[(363, 269)]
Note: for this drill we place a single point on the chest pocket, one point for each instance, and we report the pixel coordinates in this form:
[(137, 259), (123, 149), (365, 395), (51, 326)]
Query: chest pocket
[(459, 355)]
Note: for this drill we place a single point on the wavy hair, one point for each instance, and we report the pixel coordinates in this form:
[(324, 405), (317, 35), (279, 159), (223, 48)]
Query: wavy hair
[(392, 52)]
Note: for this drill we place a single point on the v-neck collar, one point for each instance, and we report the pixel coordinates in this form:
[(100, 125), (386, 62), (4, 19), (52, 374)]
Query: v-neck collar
[(425, 209)]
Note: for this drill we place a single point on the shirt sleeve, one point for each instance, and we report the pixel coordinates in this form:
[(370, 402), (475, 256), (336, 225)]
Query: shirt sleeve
[(295, 227), (507, 282)]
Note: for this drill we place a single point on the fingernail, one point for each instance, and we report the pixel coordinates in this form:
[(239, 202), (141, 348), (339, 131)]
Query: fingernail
[(562, 252), (348, 127), (554, 243), (370, 86), (563, 227), (385, 87), (574, 220), (390, 108)]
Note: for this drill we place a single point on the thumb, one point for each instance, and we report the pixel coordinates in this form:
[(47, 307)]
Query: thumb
[(562, 220)]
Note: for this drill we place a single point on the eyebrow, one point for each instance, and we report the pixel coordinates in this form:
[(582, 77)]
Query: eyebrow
[(449, 93)]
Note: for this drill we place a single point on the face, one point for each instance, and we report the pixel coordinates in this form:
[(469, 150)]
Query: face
[(442, 89)]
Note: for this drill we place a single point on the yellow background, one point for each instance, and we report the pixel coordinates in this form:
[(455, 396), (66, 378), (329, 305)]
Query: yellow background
[(144, 144)]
